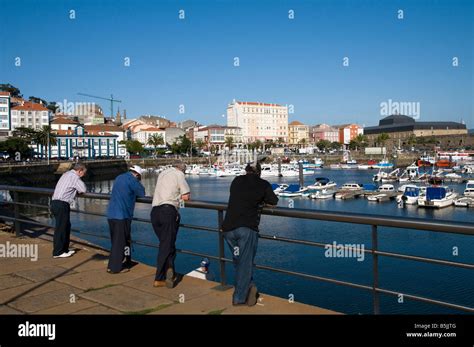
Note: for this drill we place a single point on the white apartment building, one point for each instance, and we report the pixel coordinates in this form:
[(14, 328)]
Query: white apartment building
[(29, 115), (143, 134), (258, 121), (4, 114)]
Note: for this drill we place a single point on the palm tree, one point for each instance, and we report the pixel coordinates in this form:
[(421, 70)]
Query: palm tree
[(360, 141), (382, 138), (303, 142), (155, 140), (280, 141), (45, 138), (229, 142), (199, 144)]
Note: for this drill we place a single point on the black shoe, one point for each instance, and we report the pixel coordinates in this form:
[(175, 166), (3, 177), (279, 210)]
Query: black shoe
[(170, 278), (239, 304), (120, 272), (252, 296)]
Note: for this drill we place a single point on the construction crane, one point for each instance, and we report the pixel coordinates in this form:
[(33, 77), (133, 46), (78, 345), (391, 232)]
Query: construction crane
[(111, 99)]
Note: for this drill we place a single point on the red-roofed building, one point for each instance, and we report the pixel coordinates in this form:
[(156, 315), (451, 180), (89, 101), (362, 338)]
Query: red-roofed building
[(298, 133), (28, 114), (258, 120)]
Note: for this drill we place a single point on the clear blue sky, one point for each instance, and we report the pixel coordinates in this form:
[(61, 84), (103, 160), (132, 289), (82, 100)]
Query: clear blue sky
[(283, 61)]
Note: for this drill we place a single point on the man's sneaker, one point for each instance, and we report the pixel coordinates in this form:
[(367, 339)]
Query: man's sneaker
[(253, 296), (170, 278), (64, 255), (120, 272), (71, 251), (157, 284)]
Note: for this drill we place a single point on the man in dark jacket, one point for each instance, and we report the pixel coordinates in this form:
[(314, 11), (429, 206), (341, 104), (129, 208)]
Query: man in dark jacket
[(248, 194)]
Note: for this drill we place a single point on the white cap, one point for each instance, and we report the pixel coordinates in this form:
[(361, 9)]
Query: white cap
[(137, 169)]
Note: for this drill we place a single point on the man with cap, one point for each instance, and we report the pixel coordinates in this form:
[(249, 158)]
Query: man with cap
[(248, 194), (170, 191), (126, 189)]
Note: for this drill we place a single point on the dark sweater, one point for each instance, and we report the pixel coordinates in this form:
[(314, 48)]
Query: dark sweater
[(248, 193)]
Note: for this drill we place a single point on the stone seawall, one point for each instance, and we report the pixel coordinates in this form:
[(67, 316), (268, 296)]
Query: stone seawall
[(45, 175)]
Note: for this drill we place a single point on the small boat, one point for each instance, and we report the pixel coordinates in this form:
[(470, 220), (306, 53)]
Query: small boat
[(437, 197), (277, 188), (349, 190), (410, 195), (464, 202), (318, 162), (384, 193), (453, 177), (469, 191), (322, 183), (322, 194), (335, 166), (383, 164), (363, 167), (294, 190)]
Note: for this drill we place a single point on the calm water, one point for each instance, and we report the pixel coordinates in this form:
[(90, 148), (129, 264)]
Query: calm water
[(437, 282)]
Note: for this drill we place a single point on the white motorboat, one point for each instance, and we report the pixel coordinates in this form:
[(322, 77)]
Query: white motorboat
[(437, 197), (322, 194), (465, 201), (469, 191), (410, 195), (294, 190), (277, 188), (385, 192), (322, 183)]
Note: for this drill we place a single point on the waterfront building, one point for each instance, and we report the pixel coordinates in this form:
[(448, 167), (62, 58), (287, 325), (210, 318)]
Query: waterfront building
[(83, 142), (298, 133), (400, 128), (348, 132), (172, 134), (5, 117), (258, 121), (215, 135), (323, 132), (29, 114), (63, 123), (143, 133)]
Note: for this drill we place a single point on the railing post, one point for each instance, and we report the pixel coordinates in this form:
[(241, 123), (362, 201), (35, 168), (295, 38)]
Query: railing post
[(220, 220), (16, 207), (375, 269)]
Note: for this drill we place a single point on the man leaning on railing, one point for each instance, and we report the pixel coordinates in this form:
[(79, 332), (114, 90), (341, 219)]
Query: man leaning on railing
[(248, 193), (68, 186)]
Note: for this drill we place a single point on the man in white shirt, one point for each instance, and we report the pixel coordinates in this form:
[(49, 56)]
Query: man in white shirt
[(171, 188)]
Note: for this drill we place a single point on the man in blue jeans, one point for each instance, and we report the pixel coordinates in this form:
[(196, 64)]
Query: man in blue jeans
[(127, 188), (248, 194)]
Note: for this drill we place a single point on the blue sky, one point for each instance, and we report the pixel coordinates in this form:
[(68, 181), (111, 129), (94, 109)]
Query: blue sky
[(297, 62)]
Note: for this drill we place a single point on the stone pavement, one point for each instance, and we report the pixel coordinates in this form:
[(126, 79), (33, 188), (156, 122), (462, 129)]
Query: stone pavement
[(81, 285)]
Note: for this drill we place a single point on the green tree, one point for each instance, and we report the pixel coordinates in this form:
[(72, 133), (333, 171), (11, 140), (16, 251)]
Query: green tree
[(382, 139), (133, 146), (13, 145), (155, 141), (24, 133), (336, 145), (38, 100), (323, 145), (199, 144), (229, 142), (280, 141), (360, 141), (302, 142), (43, 136), (53, 107), (14, 91)]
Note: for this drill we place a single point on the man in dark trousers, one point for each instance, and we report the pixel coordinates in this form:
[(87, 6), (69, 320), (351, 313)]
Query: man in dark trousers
[(126, 189), (64, 194), (171, 189), (248, 194)]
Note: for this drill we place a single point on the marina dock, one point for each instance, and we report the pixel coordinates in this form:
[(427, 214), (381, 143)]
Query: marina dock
[(80, 285)]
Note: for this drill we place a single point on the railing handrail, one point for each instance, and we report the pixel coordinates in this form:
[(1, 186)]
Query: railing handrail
[(331, 216), (373, 220)]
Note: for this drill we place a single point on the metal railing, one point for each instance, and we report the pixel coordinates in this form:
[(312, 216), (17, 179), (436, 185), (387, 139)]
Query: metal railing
[(373, 221)]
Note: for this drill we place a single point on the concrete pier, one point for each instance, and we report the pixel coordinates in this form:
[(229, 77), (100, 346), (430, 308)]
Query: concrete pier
[(81, 285)]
